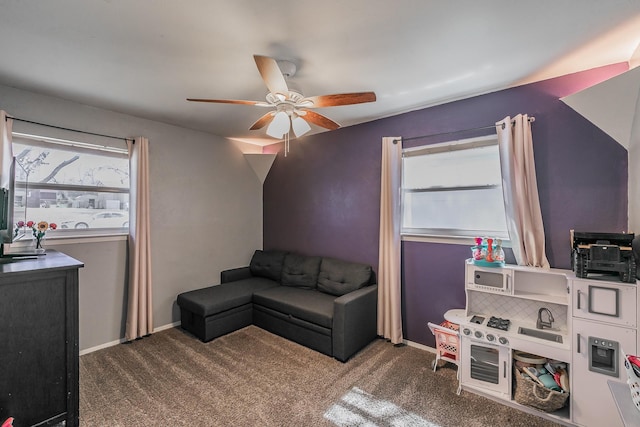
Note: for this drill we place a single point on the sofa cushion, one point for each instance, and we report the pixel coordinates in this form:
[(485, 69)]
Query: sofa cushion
[(338, 277), (310, 305), (216, 299), (267, 264), (300, 271)]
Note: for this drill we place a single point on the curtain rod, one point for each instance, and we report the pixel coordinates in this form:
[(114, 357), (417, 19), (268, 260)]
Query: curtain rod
[(72, 130), (395, 141)]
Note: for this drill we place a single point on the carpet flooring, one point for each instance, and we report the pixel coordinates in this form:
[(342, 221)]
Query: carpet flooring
[(254, 378)]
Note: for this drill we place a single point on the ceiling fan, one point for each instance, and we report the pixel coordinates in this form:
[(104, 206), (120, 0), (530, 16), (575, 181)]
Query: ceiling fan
[(291, 109)]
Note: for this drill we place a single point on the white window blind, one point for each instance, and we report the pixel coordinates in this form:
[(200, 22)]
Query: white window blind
[(453, 189)]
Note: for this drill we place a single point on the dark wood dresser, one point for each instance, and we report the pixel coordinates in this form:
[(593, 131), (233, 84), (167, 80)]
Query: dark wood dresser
[(39, 355)]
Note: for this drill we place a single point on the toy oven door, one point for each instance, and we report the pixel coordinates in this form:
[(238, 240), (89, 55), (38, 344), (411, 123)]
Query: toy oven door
[(485, 366)]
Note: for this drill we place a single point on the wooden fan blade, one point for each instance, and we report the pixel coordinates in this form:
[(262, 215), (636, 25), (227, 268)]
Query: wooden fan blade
[(320, 120), (262, 121), (340, 99), (271, 74), (230, 101)]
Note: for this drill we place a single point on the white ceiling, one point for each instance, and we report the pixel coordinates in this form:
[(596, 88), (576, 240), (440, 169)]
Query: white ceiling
[(144, 57)]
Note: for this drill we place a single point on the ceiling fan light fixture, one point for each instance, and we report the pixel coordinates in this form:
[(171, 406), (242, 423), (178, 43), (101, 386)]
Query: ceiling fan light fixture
[(300, 126), (292, 108), (279, 125)]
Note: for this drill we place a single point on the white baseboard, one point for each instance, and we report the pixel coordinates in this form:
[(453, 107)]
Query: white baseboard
[(419, 346), (165, 327), (122, 340), (175, 324), (101, 346)]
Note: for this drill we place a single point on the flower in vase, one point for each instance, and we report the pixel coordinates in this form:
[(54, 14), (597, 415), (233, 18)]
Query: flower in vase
[(39, 230), (19, 225)]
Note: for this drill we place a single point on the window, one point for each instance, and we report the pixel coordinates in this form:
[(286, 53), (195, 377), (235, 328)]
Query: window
[(78, 186), (453, 189)]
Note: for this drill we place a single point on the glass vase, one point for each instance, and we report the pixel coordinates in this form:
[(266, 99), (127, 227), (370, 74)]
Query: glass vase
[(39, 244)]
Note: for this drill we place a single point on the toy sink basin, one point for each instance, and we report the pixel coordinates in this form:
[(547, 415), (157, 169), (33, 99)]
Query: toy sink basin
[(537, 333)]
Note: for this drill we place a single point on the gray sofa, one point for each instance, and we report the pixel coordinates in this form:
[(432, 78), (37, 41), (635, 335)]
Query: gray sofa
[(324, 303)]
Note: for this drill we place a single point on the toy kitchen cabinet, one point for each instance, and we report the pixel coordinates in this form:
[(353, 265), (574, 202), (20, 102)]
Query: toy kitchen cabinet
[(604, 319), (503, 305), (594, 321)]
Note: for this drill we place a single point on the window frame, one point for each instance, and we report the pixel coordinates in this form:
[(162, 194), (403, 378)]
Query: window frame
[(77, 147), (447, 235)]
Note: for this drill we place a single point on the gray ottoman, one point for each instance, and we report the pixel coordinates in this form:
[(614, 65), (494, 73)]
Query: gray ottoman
[(217, 310)]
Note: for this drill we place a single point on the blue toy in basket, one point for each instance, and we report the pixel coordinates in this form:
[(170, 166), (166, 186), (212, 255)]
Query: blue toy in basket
[(488, 252)]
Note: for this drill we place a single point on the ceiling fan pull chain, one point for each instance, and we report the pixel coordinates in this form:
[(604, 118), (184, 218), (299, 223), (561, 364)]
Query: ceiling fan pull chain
[(286, 144)]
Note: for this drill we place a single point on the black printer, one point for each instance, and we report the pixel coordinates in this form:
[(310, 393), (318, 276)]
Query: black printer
[(603, 253)]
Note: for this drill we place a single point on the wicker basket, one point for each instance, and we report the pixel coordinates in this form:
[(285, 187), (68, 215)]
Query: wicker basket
[(528, 392)]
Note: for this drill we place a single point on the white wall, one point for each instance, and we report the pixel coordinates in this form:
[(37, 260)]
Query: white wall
[(614, 106), (206, 211), (634, 171)]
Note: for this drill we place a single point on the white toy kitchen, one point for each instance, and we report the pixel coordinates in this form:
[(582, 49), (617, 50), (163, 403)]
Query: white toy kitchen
[(572, 329)]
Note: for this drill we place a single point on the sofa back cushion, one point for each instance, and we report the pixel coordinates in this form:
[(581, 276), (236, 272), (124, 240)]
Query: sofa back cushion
[(338, 277), (267, 264), (300, 271)]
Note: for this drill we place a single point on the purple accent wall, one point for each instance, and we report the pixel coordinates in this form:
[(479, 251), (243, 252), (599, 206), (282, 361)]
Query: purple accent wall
[(324, 197)]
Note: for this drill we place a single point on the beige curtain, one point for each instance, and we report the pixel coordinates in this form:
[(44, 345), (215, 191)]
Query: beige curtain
[(389, 302), (6, 150), (520, 188), (140, 302)]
